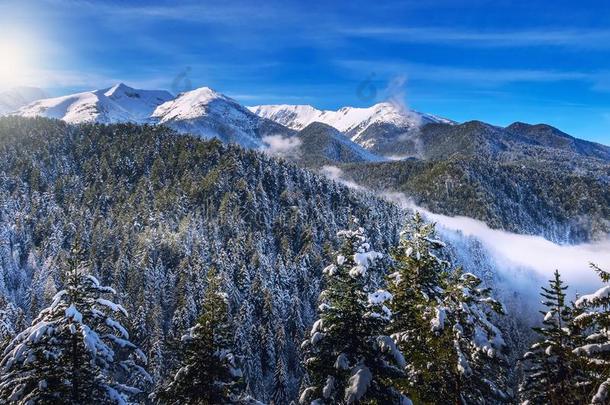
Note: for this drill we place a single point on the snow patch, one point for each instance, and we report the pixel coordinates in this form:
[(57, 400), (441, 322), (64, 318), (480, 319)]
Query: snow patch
[(358, 384), (598, 295)]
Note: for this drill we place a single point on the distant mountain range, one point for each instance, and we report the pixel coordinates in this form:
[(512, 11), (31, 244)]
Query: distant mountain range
[(532, 179), (385, 129), (201, 111), (358, 124)]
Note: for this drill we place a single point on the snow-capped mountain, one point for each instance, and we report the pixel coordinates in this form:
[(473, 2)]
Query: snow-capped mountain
[(119, 103), (16, 97), (208, 113), (202, 112), (352, 121)]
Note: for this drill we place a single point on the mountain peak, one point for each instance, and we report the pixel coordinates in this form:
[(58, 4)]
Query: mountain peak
[(119, 88), (202, 94), (191, 104), (119, 103)]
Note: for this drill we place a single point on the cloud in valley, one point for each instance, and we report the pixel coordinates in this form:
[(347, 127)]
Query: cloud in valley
[(336, 174), (282, 146), (524, 261)]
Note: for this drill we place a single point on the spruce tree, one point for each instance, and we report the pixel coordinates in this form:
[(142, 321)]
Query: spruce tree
[(348, 357), (416, 284), (553, 373), (442, 324), (209, 373), (594, 350), (477, 359), (76, 351), (9, 315), (280, 394)]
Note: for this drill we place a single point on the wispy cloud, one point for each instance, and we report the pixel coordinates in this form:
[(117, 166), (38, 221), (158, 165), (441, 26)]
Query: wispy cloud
[(572, 37), (524, 262), (335, 173), (179, 11), (481, 76)]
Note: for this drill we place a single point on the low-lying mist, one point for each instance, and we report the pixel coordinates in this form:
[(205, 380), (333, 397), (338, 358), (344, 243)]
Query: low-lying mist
[(522, 263)]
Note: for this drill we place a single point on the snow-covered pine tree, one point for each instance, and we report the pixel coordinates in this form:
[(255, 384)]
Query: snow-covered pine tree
[(76, 351), (416, 284), (478, 362), (348, 357), (280, 384), (7, 327), (208, 372), (444, 315), (553, 373), (594, 319)]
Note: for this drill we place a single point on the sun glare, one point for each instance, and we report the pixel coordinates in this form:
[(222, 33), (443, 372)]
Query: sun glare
[(14, 62)]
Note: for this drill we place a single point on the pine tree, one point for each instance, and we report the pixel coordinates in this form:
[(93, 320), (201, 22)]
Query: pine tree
[(442, 324), (416, 285), (476, 372), (348, 357), (280, 384), (594, 350), (7, 326), (76, 351), (552, 374), (209, 374)]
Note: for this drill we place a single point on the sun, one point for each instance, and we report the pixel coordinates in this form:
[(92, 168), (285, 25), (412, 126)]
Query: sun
[(14, 62)]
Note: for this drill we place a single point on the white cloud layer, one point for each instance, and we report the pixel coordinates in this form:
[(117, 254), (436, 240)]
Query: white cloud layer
[(283, 146), (516, 254), (524, 262)]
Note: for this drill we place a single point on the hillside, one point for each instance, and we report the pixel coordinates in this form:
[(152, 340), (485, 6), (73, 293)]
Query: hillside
[(528, 182), (495, 174), (16, 97), (321, 144), (155, 210), (530, 194)]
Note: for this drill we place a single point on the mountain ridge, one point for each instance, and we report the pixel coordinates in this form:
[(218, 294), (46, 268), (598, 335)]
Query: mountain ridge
[(202, 111), (205, 112), (119, 103), (384, 128), (352, 121)]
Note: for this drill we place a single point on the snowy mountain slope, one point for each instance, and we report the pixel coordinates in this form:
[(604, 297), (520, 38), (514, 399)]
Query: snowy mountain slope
[(352, 121), (12, 99), (346, 119), (203, 112), (119, 103), (209, 114)]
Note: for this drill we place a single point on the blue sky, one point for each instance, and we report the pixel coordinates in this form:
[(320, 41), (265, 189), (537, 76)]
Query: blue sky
[(496, 61)]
